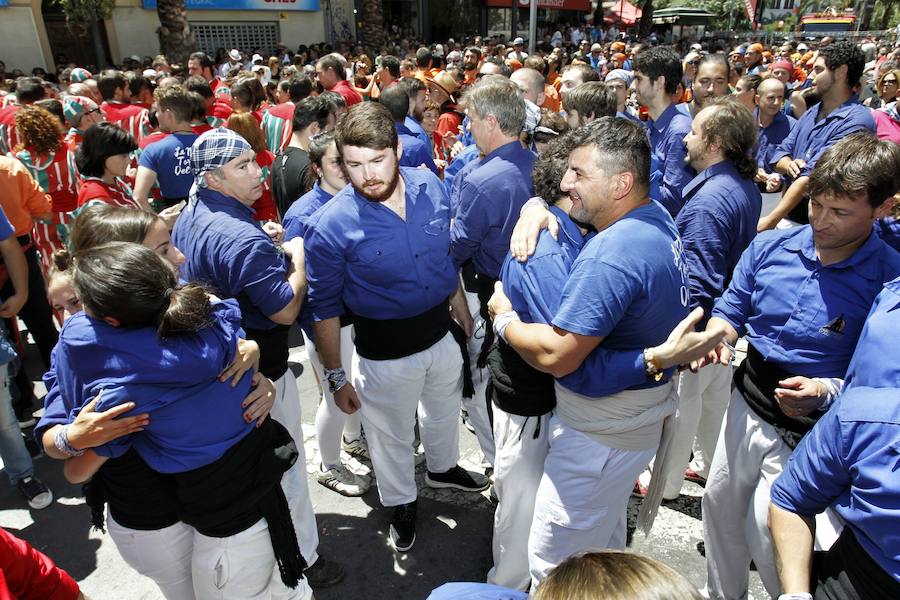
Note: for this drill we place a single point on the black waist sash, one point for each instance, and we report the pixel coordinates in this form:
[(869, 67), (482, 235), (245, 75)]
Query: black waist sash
[(757, 379), (138, 497), (485, 284), (515, 386), (231, 494), (847, 572), (273, 347), (388, 339)]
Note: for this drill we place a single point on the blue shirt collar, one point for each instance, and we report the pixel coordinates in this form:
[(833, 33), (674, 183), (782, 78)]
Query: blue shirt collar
[(864, 261), (403, 129), (665, 118), (568, 227), (838, 113), (233, 206), (506, 151), (725, 167)]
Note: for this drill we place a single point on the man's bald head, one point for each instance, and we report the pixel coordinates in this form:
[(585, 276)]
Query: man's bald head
[(531, 82)]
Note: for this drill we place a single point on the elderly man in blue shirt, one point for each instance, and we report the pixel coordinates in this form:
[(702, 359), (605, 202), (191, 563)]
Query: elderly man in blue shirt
[(848, 463), (489, 200), (800, 296), (717, 223), (381, 247), (657, 72), (835, 74), (226, 249)]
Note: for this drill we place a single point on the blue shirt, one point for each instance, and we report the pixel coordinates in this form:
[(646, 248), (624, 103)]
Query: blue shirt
[(228, 250), (802, 315), (717, 223), (667, 150), (771, 137), (466, 156), (888, 229), (810, 137), (871, 365), (194, 418), (415, 152), (490, 200), (297, 216), (168, 158), (417, 130), (849, 462), (475, 591), (362, 254), (6, 228), (628, 285)]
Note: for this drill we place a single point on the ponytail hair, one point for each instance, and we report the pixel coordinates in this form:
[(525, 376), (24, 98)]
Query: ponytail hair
[(136, 287), (101, 223)]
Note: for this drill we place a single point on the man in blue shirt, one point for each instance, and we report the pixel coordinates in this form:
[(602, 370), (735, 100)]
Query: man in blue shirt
[(835, 74), (381, 247), (848, 462), (414, 153), (417, 93), (657, 72), (800, 296), (490, 198), (167, 161), (718, 222), (774, 127), (587, 102), (226, 249), (625, 292)]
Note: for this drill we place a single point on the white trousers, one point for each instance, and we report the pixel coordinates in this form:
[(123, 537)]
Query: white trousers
[(703, 400), (163, 555), (476, 406), (750, 456), (582, 498), (521, 447), (241, 567), (295, 482), (390, 392), (331, 421)]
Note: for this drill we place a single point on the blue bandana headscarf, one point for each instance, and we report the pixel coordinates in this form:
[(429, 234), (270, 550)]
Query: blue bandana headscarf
[(213, 149)]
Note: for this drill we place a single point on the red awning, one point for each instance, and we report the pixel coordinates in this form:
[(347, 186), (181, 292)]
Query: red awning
[(579, 5), (623, 12)]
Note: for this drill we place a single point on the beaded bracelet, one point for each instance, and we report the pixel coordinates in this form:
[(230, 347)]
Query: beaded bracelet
[(61, 441)]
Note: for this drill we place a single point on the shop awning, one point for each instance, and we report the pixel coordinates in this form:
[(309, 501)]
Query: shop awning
[(579, 5), (623, 12)]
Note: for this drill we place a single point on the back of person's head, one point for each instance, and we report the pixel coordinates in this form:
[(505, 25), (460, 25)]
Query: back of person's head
[(411, 86), (100, 142), (246, 125), (334, 63), (391, 64), (423, 57), (732, 127), (537, 63), (847, 53), (366, 125), (858, 165), (54, 107), (248, 92), (498, 96), (106, 274), (334, 100), (396, 101), (660, 61), (101, 223), (29, 90), (313, 109), (39, 129), (549, 169), (199, 85), (176, 99), (298, 87), (621, 146), (751, 81), (611, 575), (592, 99), (137, 83), (110, 81), (586, 72)]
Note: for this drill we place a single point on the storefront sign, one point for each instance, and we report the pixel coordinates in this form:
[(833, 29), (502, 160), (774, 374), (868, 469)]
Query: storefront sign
[(580, 5), (280, 5)]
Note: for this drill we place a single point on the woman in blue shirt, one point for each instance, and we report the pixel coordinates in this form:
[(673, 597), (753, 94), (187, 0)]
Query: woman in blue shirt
[(226, 471)]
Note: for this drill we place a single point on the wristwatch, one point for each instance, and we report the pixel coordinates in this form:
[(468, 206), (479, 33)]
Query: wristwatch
[(651, 365)]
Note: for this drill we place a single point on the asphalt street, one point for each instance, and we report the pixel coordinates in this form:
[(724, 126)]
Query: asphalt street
[(453, 534)]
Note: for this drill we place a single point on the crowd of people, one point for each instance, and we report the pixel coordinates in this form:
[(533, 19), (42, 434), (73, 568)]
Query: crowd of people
[(565, 248)]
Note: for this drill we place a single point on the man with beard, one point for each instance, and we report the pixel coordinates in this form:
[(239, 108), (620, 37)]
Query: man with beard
[(800, 296), (471, 60), (835, 73), (710, 82), (418, 94), (381, 247)]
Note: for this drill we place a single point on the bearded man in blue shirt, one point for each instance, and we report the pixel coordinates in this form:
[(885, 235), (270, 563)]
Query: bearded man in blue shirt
[(800, 296)]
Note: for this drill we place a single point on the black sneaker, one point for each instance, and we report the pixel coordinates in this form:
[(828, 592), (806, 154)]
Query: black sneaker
[(403, 527), (38, 495), (459, 479), (25, 416), (324, 573)]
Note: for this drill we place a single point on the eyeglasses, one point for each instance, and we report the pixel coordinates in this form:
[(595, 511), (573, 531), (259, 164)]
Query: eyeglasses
[(92, 111)]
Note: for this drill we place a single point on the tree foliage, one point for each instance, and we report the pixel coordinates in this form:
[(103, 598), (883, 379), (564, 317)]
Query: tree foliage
[(82, 14)]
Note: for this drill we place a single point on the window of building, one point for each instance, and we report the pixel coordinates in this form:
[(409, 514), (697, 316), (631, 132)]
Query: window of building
[(211, 36)]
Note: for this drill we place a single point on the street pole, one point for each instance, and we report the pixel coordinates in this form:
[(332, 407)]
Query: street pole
[(532, 26)]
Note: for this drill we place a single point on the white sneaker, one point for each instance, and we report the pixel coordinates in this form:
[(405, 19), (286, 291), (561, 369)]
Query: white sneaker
[(342, 481), (357, 448)]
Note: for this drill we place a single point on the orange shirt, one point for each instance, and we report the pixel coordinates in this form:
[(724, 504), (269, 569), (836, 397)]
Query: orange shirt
[(22, 199), (552, 101)]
